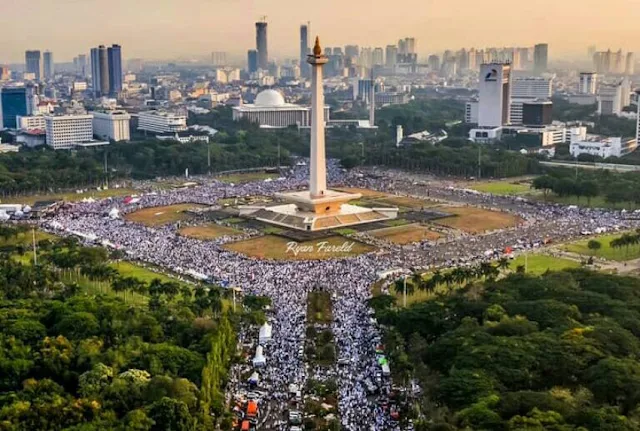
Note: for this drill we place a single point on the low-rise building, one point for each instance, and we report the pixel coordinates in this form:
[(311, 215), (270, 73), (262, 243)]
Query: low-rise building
[(161, 122), (112, 125), (30, 122), (32, 138), (602, 147), (184, 137)]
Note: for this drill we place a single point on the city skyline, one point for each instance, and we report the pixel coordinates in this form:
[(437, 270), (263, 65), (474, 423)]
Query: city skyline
[(153, 33)]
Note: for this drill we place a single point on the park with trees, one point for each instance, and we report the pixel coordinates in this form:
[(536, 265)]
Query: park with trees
[(74, 360), (551, 352)]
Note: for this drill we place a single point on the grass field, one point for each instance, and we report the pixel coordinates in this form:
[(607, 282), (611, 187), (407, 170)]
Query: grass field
[(207, 232), (477, 220), (246, 177), (366, 193), (405, 234), (69, 196), (319, 308), (502, 188), (158, 216), (278, 248), (538, 264), (606, 251)]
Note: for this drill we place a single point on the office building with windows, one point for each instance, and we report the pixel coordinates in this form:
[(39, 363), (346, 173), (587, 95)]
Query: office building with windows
[(588, 83), (111, 125), (304, 50), (494, 95), (14, 102), (540, 58), (261, 45), (67, 131), (33, 64), (47, 59), (161, 122), (114, 58), (533, 87)]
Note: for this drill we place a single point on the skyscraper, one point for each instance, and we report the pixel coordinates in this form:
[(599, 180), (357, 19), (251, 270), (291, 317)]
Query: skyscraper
[(14, 102), (630, 65), (33, 63), (540, 58), (47, 59), (494, 91), (377, 57), (588, 83), (305, 69), (82, 65), (100, 71), (114, 55), (252, 57), (391, 55), (261, 45)]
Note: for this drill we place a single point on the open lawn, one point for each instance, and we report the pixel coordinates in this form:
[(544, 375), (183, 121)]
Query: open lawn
[(477, 220), (405, 234), (538, 264), (158, 216), (69, 196), (366, 193), (208, 231), (246, 177), (278, 248), (502, 188), (129, 269), (319, 308), (404, 203), (606, 251)]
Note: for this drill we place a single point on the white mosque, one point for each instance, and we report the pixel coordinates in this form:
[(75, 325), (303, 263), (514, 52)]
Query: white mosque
[(271, 111)]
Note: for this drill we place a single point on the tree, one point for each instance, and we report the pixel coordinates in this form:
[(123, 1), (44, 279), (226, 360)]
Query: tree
[(594, 246)]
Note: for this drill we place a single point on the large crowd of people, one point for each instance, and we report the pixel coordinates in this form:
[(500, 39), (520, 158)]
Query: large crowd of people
[(349, 280)]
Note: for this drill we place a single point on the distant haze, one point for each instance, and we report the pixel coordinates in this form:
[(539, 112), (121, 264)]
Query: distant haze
[(171, 28)]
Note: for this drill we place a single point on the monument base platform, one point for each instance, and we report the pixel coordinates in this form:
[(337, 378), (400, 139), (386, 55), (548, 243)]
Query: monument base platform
[(330, 211)]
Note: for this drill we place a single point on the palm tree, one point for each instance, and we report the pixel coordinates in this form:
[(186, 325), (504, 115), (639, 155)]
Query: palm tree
[(171, 289), (437, 278), (458, 276), (417, 280)]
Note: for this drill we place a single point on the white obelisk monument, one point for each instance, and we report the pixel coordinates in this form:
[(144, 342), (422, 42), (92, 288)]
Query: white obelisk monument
[(318, 168)]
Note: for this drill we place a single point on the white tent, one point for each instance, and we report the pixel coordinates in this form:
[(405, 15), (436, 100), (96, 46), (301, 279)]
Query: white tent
[(259, 360), (254, 379), (265, 334), (114, 213), (26, 209), (18, 214), (4, 216)]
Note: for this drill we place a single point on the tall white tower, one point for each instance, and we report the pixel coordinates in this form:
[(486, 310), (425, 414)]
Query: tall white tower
[(318, 168)]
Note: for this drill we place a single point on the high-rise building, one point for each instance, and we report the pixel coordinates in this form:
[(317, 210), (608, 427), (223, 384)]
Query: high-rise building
[(537, 113), (352, 51), (618, 62), (33, 64), (252, 59), (540, 58), (588, 83), (304, 50), (638, 119), (218, 58), (13, 103), (261, 45), (610, 99), (47, 59), (591, 51), (5, 73), (434, 63), (100, 71), (630, 64), (391, 55), (80, 65), (114, 58), (495, 95), (377, 57)]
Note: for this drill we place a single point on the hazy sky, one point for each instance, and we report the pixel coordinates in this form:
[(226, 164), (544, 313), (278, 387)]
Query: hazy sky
[(170, 28)]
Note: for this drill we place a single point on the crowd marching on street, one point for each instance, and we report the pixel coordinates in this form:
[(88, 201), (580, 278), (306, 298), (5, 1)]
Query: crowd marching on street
[(349, 280)]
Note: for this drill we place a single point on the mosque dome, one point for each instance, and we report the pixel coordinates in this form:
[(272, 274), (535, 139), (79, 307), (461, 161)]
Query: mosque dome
[(269, 98)]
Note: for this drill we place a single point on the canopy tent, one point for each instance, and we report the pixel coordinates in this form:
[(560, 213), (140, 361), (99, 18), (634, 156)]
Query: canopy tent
[(265, 333), (114, 213), (254, 379), (259, 360), (4, 216)]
